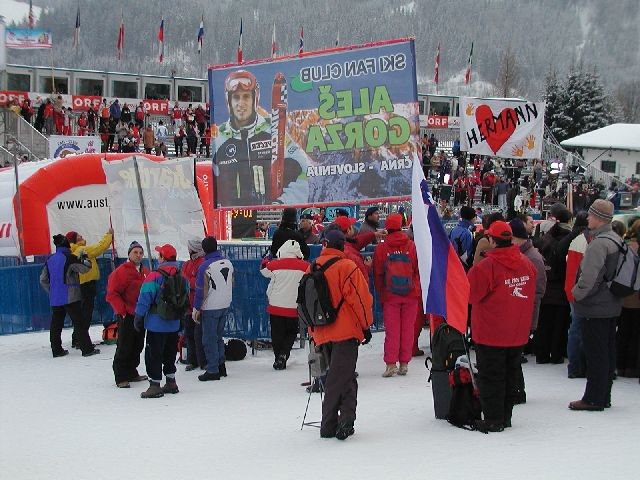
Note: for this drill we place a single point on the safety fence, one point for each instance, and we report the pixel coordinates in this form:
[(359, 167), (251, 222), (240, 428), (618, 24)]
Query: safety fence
[(24, 305)]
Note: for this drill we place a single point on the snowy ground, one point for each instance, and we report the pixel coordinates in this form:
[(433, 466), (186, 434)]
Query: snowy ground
[(64, 418)]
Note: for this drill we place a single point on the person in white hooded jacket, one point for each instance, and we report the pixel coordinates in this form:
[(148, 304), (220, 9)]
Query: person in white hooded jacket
[(285, 272)]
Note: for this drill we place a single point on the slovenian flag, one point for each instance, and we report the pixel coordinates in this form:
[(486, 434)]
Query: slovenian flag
[(445, 288), (161, 40), (201, 34)]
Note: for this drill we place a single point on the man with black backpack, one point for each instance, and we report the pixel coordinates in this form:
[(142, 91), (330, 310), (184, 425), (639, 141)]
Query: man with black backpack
[(350, 296), (163, 300)]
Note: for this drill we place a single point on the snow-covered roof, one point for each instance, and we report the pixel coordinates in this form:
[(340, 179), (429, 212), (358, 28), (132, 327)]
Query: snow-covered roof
[(619, 136)]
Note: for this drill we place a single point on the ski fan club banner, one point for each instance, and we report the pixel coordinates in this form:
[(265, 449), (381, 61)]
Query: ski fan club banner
[(173, 211), (60, 145), (28, 39), (502, 128), (329, 127)]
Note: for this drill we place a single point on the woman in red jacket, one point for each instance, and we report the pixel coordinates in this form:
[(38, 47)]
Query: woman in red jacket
[(397, 281)]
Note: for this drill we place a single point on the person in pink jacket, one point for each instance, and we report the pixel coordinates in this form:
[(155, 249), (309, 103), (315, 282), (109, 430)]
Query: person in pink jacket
[(397, 281)]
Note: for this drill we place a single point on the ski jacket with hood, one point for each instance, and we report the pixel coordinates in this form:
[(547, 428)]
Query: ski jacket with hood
[(285, 273), (123, 287), (347, 283), (395, 242), (503, 288), (59, 277)]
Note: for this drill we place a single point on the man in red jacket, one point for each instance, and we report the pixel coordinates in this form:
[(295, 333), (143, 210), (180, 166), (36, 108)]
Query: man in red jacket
[(123, 288), (502, 294), (397, 281)]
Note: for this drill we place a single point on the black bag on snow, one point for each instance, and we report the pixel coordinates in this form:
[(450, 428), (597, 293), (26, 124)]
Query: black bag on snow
[(447, 344), (314, 299), (464, 408), (174, 297)]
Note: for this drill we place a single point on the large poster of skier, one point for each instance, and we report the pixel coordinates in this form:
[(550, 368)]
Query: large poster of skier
[(335, 126)]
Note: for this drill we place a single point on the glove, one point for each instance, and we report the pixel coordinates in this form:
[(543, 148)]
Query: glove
[(138, 323), (264, 262), (195, 315), (367, 336)]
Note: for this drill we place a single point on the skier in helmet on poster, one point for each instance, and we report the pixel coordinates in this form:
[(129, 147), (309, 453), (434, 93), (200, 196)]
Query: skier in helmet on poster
[(243, 150)]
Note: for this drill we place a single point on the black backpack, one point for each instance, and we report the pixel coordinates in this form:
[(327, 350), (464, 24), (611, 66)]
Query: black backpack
[(174, 296), (447, 344), (464, 408), (314, 299)]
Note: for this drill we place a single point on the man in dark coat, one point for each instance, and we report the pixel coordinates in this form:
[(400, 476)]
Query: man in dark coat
[(288, 231)]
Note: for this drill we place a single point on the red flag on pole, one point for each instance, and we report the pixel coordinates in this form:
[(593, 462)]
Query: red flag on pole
[(467, 75), (120, 44), (436, 76), (161, 40), (240, 44)]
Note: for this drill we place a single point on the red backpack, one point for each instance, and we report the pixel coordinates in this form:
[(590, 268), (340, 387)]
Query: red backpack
[(398, 273)]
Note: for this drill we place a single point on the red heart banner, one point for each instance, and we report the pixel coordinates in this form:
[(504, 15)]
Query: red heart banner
[(496, 130)]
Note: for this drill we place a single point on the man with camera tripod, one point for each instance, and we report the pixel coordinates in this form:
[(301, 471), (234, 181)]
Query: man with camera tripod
[(340, 340)]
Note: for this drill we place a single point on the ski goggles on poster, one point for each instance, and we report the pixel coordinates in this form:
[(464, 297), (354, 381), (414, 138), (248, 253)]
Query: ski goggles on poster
[(335, 126)]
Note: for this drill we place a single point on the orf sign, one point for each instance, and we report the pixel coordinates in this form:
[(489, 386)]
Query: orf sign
[(83, 102), (6, 96), (437, 121), (156, 107)]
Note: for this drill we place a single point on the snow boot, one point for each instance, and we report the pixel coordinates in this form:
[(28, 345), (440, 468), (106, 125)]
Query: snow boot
[(404, 368), (91, 352), (206, 376), (154, 391), (170, 386), (345, 429), (280, 363), (60, 353), (391, 370), (486, 426), (139, 378), (123, 384)]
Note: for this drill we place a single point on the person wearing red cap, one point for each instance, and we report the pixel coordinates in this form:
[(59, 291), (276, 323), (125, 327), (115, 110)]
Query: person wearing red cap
[(397, 281), (162, 333), (89, 280), (502, 295), (355, 242)]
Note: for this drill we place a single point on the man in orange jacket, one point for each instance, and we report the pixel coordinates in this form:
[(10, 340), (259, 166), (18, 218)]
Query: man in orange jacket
[(340, 339)]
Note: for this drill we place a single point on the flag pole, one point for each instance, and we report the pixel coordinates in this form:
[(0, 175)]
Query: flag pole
[(145, 228), (53, 80), (20, 226)]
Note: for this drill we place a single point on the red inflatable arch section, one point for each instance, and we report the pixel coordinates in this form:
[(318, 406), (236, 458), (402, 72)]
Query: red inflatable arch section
[(76, 171)]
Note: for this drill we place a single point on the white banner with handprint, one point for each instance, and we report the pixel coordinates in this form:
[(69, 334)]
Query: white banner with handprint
[(501, 128)]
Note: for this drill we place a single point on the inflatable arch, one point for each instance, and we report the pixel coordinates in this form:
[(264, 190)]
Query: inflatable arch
[(46, 188)]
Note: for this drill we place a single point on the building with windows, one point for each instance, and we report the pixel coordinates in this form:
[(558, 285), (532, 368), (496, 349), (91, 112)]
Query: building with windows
[(614, 149)]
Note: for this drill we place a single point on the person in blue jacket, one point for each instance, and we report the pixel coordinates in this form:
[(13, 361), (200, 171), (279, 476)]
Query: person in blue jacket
[(60, 279), (461, 237), (162, 334)]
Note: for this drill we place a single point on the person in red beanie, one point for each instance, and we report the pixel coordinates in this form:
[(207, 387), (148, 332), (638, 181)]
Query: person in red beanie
[(397, 281)]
